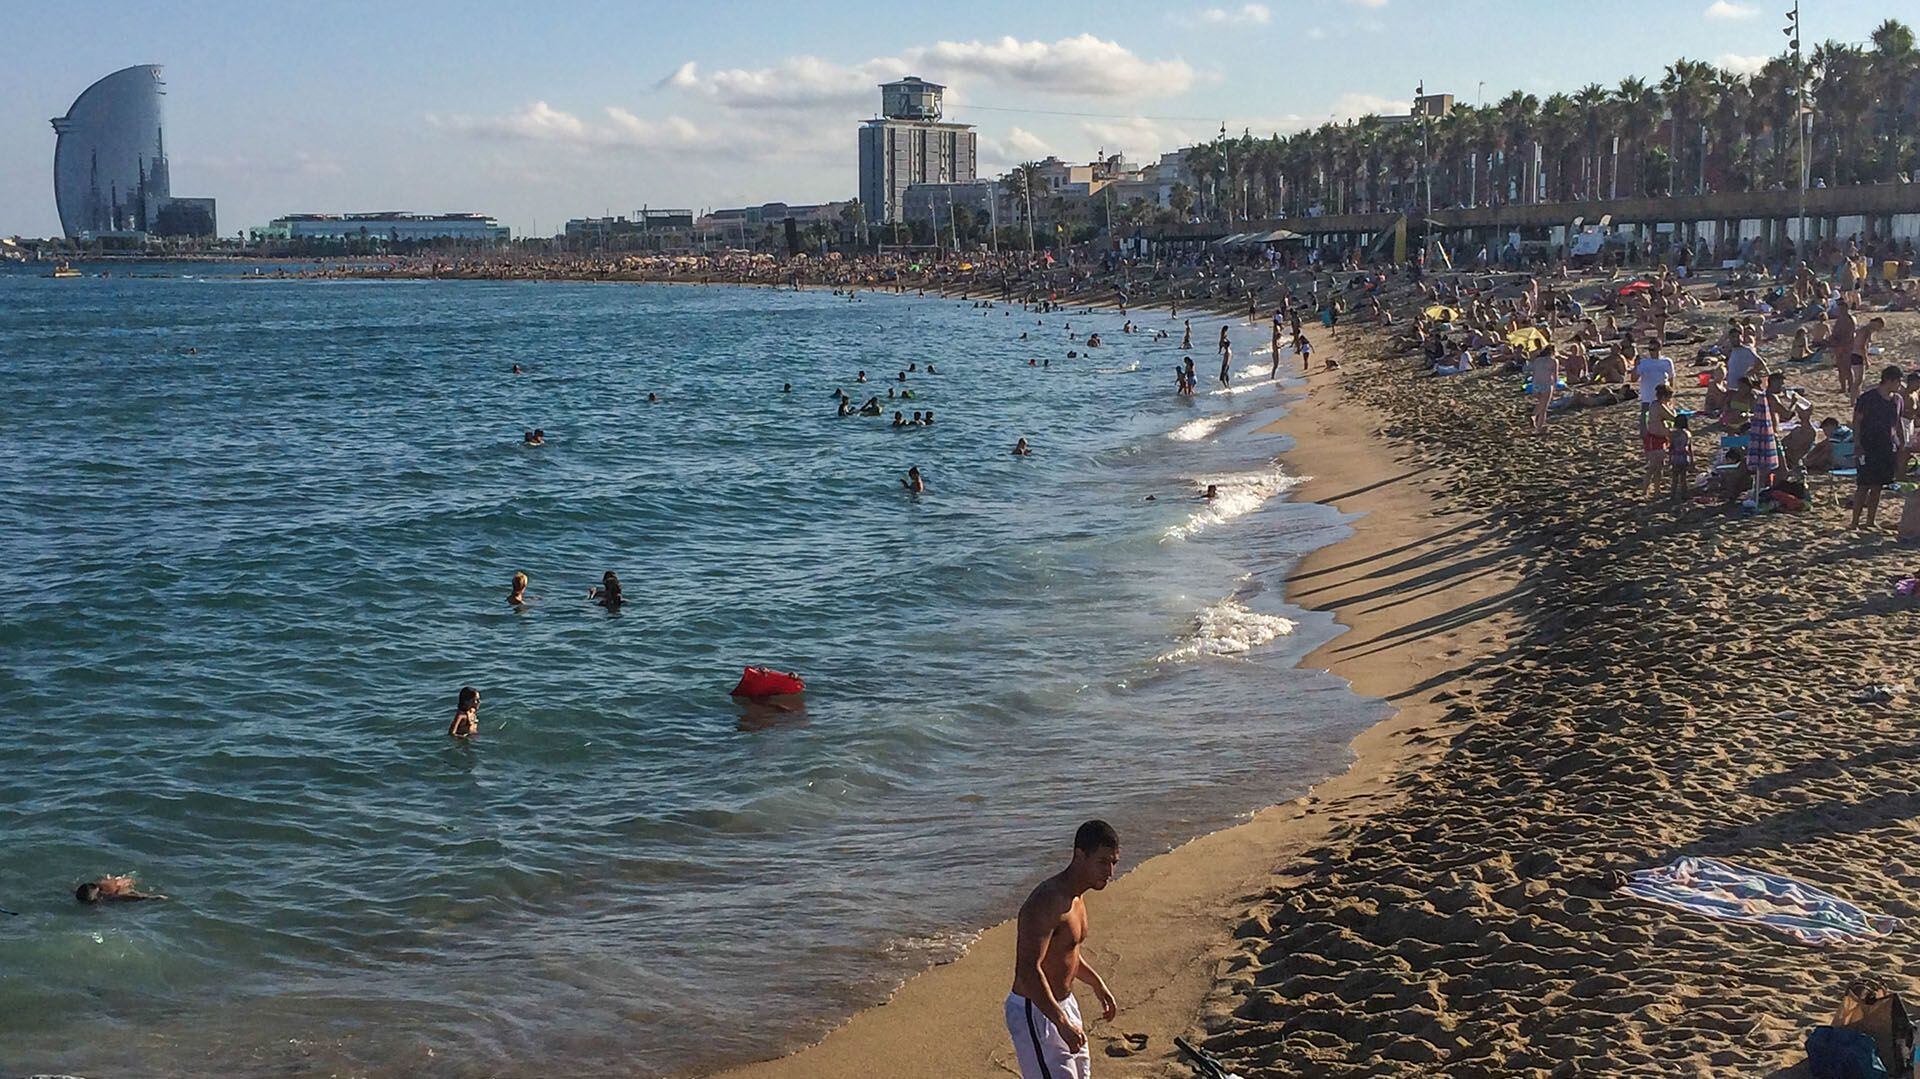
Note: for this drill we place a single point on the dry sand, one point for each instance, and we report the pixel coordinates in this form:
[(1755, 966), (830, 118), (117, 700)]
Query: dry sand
[(1162, 931), (1682, 683)]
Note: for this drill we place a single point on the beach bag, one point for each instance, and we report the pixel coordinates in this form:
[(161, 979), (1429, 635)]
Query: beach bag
[(1877, 1012), (1910, 517), (1834, 1053)]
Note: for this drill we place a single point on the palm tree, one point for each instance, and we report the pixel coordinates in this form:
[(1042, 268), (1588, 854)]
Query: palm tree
[(1688, 87), (1519, 116), (1639, 106), (1895, 66), (1596, 120)]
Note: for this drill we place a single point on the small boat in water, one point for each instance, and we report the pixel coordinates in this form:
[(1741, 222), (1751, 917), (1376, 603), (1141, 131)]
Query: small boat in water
[(64, 270)]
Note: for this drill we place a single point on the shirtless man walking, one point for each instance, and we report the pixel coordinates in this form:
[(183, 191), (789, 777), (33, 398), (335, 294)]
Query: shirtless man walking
[(1042, 1017)]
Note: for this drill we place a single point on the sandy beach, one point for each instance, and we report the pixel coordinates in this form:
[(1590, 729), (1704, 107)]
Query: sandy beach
[(1168, 930), (1587, 683)]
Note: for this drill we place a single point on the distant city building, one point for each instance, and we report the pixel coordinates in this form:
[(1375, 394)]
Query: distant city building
[(389, 226), (110, 162), (185, 217), (772, 213), (934, 203), (910, 144), (644, 222)]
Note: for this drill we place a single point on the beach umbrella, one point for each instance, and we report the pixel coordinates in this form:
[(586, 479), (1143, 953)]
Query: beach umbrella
[(1763, 446), (1528, 339)]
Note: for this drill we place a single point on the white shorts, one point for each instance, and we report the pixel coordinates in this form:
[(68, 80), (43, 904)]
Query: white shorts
[(1037, 1044)]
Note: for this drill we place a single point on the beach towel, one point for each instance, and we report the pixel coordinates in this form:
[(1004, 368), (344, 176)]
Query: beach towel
[(1720, 889)]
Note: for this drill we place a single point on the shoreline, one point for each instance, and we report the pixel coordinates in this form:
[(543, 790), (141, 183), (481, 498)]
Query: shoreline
[(1164, 932)]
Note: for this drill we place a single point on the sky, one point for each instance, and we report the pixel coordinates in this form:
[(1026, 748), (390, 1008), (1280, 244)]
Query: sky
[(535, 113)]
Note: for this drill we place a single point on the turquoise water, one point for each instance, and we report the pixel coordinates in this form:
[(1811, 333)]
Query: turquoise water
[(245, 583)]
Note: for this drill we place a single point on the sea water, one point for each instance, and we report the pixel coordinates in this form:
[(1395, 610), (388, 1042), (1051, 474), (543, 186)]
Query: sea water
[(258, 533)]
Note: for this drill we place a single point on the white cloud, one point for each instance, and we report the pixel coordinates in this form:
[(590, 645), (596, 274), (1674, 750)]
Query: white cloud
[(798, 82), (1022, 141), (1726, 9), (1368, 3), (1084, 66), (620, 129), (1741, 65), (1248, 14)]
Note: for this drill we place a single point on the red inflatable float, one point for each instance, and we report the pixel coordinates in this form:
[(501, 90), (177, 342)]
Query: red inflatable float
[(758, 682)]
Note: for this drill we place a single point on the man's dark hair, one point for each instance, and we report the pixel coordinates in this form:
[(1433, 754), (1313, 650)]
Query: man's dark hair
[(87, 893), (1096, 835)]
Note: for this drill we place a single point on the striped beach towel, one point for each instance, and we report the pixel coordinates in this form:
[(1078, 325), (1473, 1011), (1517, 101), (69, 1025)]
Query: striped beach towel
[(1720, 889)]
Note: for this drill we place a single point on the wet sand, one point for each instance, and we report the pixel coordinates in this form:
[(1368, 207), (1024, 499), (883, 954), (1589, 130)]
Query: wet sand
[(1167, 931)]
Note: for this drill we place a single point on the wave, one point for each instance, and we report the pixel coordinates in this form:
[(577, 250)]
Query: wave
[(1195, 430), (1248, 379), (1127, 370), (1239, 494), (1228, 629)]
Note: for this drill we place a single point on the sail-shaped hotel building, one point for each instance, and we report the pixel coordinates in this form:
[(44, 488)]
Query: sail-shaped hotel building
[(110, 163)]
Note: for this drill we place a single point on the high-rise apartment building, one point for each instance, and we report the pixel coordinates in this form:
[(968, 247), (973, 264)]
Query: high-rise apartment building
[(907, 144)]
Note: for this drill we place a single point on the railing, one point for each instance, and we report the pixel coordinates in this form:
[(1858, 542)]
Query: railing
[(1864, 199)]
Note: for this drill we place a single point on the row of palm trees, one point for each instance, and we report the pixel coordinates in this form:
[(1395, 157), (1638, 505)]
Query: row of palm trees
[(1698, 128)]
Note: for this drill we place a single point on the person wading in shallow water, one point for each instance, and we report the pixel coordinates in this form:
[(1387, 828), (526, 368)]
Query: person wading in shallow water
[(1043, 1019)]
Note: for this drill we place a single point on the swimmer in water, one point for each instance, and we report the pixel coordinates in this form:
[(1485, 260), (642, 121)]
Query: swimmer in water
[(466, 714), (930, 370), (929, 417), (913, 482), (1020, 449), (872, 407), (916, 421), (786, 387), (120, 889), (862, 377), (898, 420), (1213, 491), (516, 368), (607, 592), (517, 595), (535, 437), (653, 399)]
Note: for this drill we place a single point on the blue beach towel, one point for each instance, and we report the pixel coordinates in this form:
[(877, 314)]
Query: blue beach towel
[(1722, 890)]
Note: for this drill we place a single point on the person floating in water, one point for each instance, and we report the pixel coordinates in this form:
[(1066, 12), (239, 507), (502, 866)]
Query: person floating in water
[(862, 377), (653, 399), (899, 420), (516, 369), (913, 482), (518, 593), (929, 417), (1020, 449), (120, 889), (786, 387), (607, 592), (872, 407), (1213, 491), (930, 370), (466, 714), (535, 437)]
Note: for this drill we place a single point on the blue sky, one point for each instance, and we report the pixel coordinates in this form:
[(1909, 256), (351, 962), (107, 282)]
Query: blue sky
[(537, 113)]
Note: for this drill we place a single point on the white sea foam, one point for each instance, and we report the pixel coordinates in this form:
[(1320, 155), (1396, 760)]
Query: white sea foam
[(1195, 430), (1240, 493), (1229, 629), (1247, 379), (1127, 370)]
